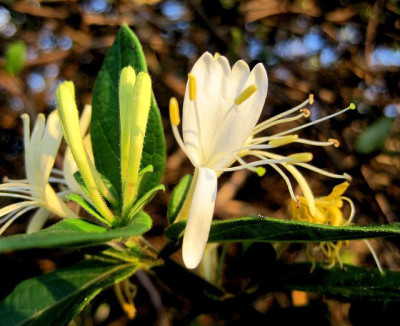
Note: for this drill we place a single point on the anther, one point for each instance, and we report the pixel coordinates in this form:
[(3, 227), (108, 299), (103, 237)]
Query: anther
[(283, 141), (261, 171), (300, 157), (311, 99), (306, 112), (298, 202), (348, 177), (243, 96), (192, 87), (174, 112), (334, 141)]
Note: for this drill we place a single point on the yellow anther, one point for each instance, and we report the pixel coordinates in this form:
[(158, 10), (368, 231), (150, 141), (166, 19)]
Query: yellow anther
[(283, 141), (334, 141), (311, 99), (305, 112), (260, 171), (216, 56), (174, 112), (300, 157), (243, 96), (352, 106), (192, 87)]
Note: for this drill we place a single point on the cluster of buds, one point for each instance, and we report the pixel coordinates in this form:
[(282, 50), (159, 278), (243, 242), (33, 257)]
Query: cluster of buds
[(134, 103)]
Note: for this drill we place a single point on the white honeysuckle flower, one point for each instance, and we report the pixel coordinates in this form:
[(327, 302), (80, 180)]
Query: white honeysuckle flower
[(41, 148), (221, 108)]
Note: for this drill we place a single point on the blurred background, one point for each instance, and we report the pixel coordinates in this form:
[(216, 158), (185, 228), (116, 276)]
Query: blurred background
[(340, 51)]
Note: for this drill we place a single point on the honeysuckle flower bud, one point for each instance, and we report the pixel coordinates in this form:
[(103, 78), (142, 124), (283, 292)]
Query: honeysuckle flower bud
[(41, 148), (220, 111), (135, 98), (68, 113)]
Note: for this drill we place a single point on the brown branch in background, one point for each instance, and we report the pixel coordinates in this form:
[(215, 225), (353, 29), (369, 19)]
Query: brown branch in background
[(370, 37)]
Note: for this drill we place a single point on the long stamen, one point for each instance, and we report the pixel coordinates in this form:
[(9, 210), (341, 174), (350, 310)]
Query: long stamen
[(11, 195), (352, 209), (283, 114), (57, 171), (255, 164), (375, 256), (350, 107), (299, 178), (263, 127), (323, 172), (282, 174), (57, 180), (259, 169), (330, 142), (11, 220)]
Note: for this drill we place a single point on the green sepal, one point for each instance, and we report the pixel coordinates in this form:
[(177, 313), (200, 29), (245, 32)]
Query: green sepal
[(143, 201)]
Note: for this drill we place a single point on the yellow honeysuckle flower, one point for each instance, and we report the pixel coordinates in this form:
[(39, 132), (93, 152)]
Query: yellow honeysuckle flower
[(328, 210)]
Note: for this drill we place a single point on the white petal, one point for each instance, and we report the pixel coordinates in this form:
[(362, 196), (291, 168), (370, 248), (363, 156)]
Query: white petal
[(51, 142), (211, 79), (33, 151), (38, 220), (54, 204), (238, 125), (223, 126), (200, 216)]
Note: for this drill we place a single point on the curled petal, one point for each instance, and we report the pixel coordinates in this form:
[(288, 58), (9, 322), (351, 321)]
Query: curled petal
[(200, 216)]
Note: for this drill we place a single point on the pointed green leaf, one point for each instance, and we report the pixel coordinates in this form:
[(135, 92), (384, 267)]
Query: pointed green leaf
[(178, 197), (74, 233), (272, 230), (105, 126), (54, 298)]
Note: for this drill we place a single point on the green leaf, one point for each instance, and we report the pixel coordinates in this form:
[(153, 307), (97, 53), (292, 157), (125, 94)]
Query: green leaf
[(74, 232), (178, 197), (88, 207), (15, 57), (105, 126), (268, 229), (351, 282), (373, 138), (54, 298), (144, 200)]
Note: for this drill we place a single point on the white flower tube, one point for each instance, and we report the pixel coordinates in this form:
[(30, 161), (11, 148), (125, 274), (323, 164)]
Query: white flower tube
[(200, 217)]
